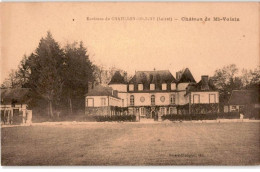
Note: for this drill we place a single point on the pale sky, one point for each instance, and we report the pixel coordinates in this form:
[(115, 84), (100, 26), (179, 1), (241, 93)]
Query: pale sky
[(137, 45)]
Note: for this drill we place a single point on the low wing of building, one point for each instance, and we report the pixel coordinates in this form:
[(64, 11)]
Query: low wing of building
[(202, 97), (242, 99), (15, 98), (102, 100), (14, 104)]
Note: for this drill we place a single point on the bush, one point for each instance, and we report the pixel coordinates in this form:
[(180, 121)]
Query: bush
[(229, 115), (255, 115), (131, 118), (208, 116)]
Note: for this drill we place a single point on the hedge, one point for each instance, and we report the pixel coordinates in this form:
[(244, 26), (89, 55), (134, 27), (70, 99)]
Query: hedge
[(131, 118), (209, 116)]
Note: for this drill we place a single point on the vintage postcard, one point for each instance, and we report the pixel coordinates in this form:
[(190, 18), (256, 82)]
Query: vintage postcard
[(130, 84)]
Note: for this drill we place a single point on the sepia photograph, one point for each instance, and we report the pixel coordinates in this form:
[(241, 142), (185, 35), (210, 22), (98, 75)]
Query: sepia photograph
[(130, 83)]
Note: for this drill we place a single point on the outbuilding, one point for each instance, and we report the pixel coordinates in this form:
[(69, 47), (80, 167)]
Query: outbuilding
[(14, 106)]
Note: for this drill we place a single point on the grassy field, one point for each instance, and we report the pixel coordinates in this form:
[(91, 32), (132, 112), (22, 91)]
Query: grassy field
[(133, 144)]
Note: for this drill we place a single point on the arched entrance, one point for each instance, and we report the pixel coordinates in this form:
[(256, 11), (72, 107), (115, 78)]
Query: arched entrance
[(154, 116)]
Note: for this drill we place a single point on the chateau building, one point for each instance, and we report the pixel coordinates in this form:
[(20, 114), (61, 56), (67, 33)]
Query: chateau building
[(150, 94)]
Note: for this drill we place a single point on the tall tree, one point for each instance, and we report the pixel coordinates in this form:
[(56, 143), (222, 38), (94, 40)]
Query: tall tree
[(45, 66), (77, 73)]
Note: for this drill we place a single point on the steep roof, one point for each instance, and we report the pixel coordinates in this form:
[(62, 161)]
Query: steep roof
[(117, 79), (204, 84), (102, 91), (17, 96), (185, 76), (156, 77), (243, 97)]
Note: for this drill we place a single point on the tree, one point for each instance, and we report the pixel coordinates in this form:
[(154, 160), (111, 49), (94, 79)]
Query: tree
[(225, 80), (45, 71), (18, 78), (77, 73), (103, 75), (23, 72), (57, 77), (99, 73), (251, 78), (13, 80)]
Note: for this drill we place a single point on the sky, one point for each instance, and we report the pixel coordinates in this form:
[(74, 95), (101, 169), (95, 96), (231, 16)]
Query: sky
[(201, 46)]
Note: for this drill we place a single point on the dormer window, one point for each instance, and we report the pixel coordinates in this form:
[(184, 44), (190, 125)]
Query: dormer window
[(131, 87), (173, 86), (164, 86), (152, 86), (140, 87)]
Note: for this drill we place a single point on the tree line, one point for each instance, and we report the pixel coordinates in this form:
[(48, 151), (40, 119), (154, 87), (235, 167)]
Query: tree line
[(58, 78), (231, 78)]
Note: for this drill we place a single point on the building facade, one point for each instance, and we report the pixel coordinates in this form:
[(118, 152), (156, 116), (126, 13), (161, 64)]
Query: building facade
[(150, 94), (14, 106)]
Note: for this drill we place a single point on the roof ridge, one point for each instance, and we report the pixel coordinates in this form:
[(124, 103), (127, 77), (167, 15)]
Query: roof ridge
[(152, 70)]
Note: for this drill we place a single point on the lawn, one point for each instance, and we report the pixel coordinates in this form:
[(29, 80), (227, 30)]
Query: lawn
[(132, 144)]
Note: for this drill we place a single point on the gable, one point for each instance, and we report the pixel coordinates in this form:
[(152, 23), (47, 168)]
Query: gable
[(117, 78), (185, 76)]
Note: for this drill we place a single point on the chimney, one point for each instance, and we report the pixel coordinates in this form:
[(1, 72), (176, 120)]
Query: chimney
[(115, 93), (205, 82)]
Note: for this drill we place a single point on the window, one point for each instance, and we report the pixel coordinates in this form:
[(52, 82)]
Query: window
[(137, 111), (132, 100), (131, 87), (152, 86), (212, 98), (172, 110), (164, 86), (172, 99), (90, 102), (173, 86), (142, 111), (233, 108), (140, 87), (196, 98), (131, 111), (163, 111), (103, 102), (153, 100)]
